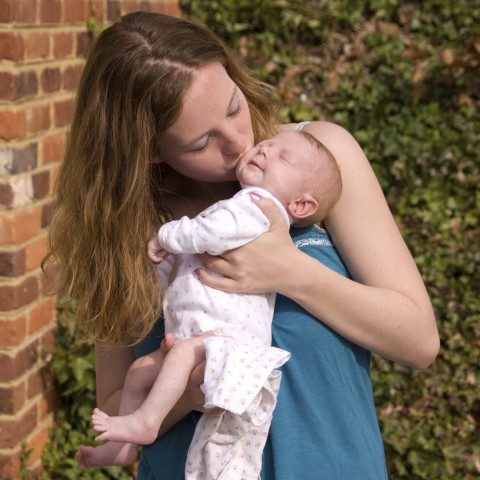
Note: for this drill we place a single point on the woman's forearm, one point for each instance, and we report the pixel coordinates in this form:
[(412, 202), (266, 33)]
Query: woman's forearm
[(383, 320)]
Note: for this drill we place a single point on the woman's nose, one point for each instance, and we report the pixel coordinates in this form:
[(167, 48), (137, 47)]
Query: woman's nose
[(235, 143)]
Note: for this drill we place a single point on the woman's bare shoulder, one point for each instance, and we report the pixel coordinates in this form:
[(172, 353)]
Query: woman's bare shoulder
[(325, 131)]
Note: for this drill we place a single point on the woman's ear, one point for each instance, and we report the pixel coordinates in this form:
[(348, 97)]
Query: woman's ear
[(302, 207)]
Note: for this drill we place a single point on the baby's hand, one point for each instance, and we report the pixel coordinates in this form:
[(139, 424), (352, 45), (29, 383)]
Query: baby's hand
[(155, 252)]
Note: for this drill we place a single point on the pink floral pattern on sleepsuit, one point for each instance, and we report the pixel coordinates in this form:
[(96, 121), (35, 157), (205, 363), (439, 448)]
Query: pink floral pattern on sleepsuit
[(240, 375)]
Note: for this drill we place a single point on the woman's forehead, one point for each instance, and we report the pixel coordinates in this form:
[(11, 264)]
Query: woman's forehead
[(207, 102)]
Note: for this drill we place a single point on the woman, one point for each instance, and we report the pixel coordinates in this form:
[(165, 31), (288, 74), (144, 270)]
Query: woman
[(163, 112)]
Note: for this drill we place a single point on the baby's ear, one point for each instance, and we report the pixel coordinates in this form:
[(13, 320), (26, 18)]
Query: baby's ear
[(302, 207)]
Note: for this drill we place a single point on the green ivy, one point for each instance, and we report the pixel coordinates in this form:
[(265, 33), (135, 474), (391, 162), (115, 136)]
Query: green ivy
[(73, 364), (404, 78)]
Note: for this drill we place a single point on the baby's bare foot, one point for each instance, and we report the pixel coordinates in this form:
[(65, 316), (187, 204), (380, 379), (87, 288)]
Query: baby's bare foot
[(107, 455), (100, 420), (134, 428)]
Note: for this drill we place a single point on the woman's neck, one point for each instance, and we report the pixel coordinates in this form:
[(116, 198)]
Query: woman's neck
[(189, 197)]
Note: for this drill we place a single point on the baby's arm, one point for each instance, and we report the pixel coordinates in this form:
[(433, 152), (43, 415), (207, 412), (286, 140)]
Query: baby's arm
[(224, 226)]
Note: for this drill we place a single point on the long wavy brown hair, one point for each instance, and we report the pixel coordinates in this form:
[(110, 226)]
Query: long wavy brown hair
[(108, 197)]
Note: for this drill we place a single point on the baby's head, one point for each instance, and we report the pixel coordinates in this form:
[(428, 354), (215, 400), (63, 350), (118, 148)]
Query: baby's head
[(297, 169)]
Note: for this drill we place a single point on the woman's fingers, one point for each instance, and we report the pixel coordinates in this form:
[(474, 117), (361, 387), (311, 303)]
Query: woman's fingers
[(270, 209)]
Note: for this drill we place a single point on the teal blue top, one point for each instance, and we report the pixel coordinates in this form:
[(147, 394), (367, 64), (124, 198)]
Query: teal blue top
[(324, 425)]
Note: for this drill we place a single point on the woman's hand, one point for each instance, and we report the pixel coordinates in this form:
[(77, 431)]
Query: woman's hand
[(257, 267)]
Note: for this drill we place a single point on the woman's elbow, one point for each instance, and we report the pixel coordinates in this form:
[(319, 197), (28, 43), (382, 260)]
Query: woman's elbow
[(427, 351)]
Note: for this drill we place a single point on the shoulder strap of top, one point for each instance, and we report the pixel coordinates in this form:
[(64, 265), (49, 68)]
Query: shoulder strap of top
[(300, 126)]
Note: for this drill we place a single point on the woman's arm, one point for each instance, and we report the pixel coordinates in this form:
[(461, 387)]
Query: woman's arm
[(111, 366), (386, 308)]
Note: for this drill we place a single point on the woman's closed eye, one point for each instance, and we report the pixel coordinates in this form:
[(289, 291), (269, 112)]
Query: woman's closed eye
[(236, 112), (203, 147), (233, 114)]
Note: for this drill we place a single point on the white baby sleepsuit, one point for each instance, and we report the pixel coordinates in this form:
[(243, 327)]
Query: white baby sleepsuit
[(240, 375)]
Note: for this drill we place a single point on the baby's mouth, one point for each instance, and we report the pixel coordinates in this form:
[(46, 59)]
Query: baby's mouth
[(255, 164)]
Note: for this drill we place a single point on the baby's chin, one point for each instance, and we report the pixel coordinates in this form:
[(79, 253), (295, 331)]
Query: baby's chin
[(247, 184)]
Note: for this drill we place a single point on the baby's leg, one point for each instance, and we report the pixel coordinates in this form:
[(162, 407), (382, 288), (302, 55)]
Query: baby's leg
[(140, 377), (142, 425)]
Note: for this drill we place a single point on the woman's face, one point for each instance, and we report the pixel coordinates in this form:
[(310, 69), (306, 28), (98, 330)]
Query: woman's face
[(213, 130)]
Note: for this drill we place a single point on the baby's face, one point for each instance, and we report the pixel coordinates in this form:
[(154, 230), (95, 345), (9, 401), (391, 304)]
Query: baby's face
[(279, 165)]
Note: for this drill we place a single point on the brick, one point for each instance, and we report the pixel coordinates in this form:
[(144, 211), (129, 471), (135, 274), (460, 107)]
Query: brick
[(53, 148), (129, 6), (12, 263), (41, 315), (71, 77), (14, 87), (18, 295), (26, 85), (63, 44), (12, 46), (114, 10), (48, 342), (6, 11), (39, 118), (54, 171), (41, 185), (35, 252), (25, 159), (25, 11), (8, 87), (84, 41), (50, 11), (6, 195), (13, 331), (18, 160), (50, 401), (37, 45), (37, 443), (19, 11), (13, 124), (75, 11), (145, 6), (169, 8), (12, 398), (63, 113), (46, 217), (39, 381), (20, 226), (12, 432), (10, 465), (51, 79), (13, 367)]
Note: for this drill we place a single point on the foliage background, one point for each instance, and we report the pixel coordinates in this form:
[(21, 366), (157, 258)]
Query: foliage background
[(403, 77)]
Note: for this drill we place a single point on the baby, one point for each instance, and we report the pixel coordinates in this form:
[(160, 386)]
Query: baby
[(300, 175)]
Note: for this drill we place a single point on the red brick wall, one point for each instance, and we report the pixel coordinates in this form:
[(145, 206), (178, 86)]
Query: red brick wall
[(42, 48)]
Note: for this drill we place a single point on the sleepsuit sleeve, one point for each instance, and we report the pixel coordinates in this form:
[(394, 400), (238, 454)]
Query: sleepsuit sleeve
[(224, 226)]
